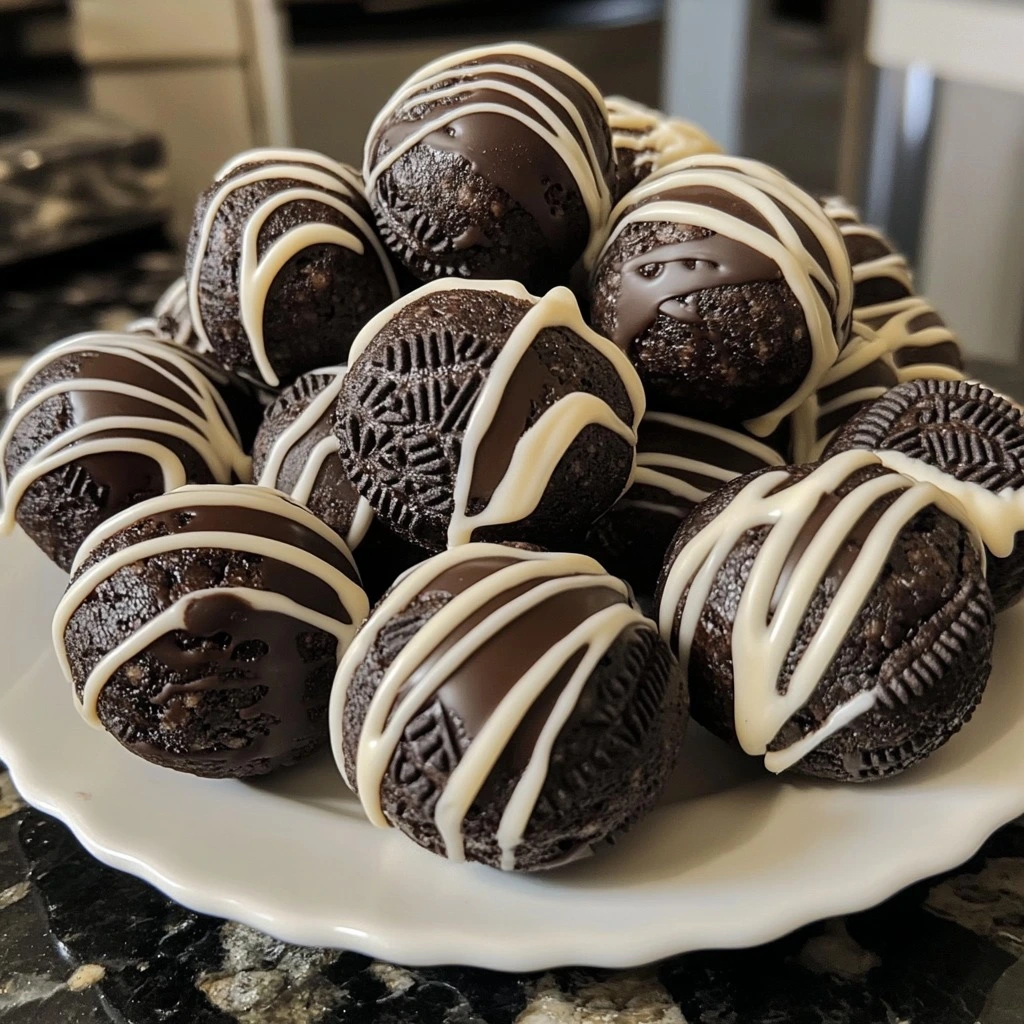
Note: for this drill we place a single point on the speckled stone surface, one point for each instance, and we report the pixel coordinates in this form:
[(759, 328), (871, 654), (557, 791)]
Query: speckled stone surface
[(82, 943)]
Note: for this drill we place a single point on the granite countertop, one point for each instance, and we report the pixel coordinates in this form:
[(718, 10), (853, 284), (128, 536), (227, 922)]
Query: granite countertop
[(80, 942)]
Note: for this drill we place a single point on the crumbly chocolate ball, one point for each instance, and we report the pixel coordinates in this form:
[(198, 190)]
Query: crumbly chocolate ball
[(296, 452), (727, 286), (102, 421), (680, 461), (508, 706), (203, 628), (833, 619), (964, 438), (283, 265), (494, 162), (475, 411)]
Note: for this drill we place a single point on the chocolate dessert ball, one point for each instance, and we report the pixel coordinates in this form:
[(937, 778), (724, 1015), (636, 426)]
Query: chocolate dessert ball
[(727, 286), (100, 422), (507, 706), (283, 264), (475, 411), (916, 336), (864, 371), (679, 462), (492, 162), (967, 440), (833, 619), (169, 320), (646, 141), (297, 452), (203, 628)]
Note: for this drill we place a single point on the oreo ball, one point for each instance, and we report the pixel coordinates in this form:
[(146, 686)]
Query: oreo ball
[(967, 440), (203, 628), (283, 265), (296, 452), (102, 421), (508, 706), (727, 286), (475, 411), (493, 162), (832, 619), (680, 461)]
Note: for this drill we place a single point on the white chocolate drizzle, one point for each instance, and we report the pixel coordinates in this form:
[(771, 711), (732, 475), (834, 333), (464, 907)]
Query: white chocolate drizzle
[(544, 118), (654, 139), (198, 417), (321, 180), (824, 291), (326, 448), (85, 580), (539, 450), (767, 622), (405, 689), (171, 308)]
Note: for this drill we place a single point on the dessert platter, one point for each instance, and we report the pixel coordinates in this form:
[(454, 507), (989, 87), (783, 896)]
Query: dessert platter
[(556, 541)]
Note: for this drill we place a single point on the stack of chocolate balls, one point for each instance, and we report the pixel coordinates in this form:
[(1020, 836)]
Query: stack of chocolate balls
[(375, 387)]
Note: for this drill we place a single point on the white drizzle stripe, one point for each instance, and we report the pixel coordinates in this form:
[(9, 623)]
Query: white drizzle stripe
[(203, 422), (895, 333), (657, 140), (581, 160), (326, 182), (174, 618), (539, 450), (393, 706), (760, 646), (84, 581), (174, 304), (770, 195)]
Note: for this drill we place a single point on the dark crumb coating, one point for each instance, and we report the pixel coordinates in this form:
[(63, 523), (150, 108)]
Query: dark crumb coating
[(751, 350), (966, 431), (381, 554), (240, 691), (406, 403), (923, 636), (317, 301), (607, 767), (466, 201), (61, 508)]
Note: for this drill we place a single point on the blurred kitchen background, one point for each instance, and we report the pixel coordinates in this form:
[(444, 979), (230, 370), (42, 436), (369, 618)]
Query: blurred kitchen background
[(115, 113)]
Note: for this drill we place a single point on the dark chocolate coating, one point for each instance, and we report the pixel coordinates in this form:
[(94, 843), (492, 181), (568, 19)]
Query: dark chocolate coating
[(317, 302), (381, 554), (709, 323), (924, 633), (239, 691), (406, 402), (485, 196), (631, 539), (608, 764), (64, 506), (962, 428)]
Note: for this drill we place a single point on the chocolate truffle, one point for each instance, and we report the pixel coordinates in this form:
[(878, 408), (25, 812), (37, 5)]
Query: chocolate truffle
[(916, 336), (283, 264), (100, 422), (833, 619), (967, 440), (864, 371), (507, 706), (475, 411), (679, 462), (296, 452), (203, 628), (727, 286), (646, 141), (492, 162)]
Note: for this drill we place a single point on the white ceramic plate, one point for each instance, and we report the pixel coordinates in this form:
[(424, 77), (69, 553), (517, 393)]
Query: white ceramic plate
[(731, 858)]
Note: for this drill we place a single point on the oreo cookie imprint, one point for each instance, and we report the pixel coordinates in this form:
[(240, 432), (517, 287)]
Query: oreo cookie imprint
[(507, 706), (473, 410), (832, 619)]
